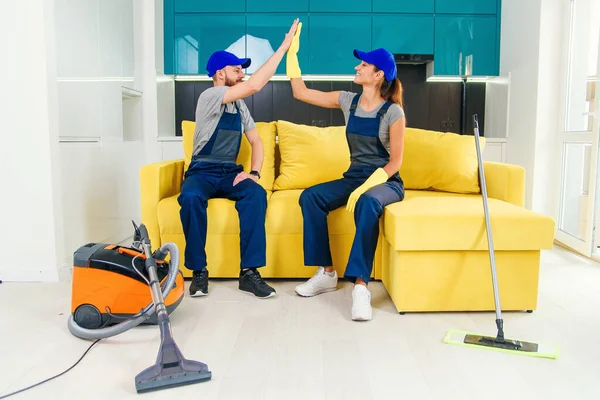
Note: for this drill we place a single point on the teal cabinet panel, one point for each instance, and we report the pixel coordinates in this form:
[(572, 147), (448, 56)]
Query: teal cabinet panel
[(464, 43), (277, 6), (197, 36), (403, 6), (466, 6), (265, 32), (404, 34), (183, 6), (332, 40), (168, 38), (340, 6)]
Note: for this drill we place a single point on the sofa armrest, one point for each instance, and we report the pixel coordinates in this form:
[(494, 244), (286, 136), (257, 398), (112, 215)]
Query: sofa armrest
[(158, 181), (505, 182)]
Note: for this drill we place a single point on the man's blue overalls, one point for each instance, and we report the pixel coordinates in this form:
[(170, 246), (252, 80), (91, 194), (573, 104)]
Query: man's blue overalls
[(210, 175), (367, 153)]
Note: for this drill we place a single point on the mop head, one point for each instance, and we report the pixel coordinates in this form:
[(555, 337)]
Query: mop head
[(529, 349)]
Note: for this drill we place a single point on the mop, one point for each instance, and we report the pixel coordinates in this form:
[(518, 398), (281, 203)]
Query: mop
[(500, 342)]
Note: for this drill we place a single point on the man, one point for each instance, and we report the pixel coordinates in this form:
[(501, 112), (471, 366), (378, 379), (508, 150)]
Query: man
[(221, 118)]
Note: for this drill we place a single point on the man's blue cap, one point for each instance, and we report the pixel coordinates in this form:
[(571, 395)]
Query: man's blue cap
[(383, 59), (221, 59)]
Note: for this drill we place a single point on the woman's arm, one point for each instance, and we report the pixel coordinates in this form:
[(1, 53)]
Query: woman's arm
[(299, 89), (262, 76), (314, 97), (397, 130)]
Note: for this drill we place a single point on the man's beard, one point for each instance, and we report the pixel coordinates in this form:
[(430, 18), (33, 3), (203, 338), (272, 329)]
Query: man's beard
[(232, 82)]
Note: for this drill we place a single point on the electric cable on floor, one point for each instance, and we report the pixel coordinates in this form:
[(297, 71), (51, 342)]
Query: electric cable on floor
[(55, 376)]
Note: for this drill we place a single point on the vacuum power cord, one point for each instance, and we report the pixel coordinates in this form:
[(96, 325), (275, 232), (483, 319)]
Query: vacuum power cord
[(55, 376)]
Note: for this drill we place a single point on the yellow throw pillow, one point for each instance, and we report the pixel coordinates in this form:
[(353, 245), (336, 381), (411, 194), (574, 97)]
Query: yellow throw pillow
[(441, 161), (267, 132), (310, 155)]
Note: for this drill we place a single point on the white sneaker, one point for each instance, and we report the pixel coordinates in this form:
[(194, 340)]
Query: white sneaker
[(361, 303), (321, 282)]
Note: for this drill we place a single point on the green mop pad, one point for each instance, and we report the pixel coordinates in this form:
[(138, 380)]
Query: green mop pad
[(530, 349)]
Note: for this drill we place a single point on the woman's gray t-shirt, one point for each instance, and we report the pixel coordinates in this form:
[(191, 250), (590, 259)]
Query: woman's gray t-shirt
[(392, 115)]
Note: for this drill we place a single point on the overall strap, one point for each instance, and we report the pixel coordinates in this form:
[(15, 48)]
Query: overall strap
[(354, 104), (384, 108), (239, 115)]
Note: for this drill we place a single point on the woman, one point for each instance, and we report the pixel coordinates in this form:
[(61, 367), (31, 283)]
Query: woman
[(375, 126)]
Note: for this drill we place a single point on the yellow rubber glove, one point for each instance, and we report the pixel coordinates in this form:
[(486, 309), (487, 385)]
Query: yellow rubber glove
[(378, 177), (292, 69)]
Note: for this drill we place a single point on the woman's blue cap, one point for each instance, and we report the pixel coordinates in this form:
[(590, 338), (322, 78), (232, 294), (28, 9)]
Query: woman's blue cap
[(383, 59), (221, 59)]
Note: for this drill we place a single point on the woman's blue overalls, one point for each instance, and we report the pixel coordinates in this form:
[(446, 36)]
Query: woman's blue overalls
[(210, 175), (367, 153)]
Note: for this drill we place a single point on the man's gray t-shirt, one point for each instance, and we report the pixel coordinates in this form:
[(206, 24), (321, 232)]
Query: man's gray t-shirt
[(209, 111), (393, 113)]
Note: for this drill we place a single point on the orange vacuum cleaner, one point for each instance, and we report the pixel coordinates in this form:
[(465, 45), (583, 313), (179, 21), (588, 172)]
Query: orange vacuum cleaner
[(117, 288), (110, 284)]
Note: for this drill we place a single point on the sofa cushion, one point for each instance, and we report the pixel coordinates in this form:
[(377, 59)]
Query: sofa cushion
[(267, 132), (222, 216), (284, 215), (427, 220), (310, 155), (441, 161)]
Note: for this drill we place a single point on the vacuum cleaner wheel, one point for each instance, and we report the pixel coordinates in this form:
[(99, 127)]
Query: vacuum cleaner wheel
[(88, 317)]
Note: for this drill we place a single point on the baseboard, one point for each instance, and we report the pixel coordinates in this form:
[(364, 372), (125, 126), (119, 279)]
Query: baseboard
[(28, 275)]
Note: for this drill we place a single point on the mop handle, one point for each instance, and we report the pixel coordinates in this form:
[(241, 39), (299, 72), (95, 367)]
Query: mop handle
[(487, 218)]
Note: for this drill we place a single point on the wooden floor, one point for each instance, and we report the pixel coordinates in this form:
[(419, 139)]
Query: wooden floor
[(308, 348)]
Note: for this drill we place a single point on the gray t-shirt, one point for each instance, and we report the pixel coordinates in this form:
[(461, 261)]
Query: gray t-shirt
[(392, 115), (209, 111)]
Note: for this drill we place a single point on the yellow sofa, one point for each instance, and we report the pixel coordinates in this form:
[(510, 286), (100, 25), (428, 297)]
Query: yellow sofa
[(432, 250)]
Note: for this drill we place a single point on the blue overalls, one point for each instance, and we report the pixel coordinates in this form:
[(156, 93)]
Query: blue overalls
[(210, 175), (367, 153)]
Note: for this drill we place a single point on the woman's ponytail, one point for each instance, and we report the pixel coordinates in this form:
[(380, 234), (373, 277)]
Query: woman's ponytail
[(392, 91)]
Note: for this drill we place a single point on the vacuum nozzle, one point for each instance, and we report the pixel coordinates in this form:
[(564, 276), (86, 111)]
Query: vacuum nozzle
[(171, 370)]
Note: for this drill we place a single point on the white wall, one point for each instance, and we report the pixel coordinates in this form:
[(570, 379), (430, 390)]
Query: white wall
[(96, 65), (79, 118), (551, 72), (519, 47), (165, 90), (31, 226), (531, 69)]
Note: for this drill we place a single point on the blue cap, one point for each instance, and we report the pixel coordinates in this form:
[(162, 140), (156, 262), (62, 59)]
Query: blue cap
[(383, 59), (221, 59)]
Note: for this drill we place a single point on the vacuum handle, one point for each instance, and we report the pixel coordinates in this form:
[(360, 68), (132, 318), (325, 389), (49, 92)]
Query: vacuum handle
[(145, 240), (145, 237)]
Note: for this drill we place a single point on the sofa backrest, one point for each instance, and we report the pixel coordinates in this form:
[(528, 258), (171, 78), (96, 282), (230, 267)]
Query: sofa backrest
[(298, 156)]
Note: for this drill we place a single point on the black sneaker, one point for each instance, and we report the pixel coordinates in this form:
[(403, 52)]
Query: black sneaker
[(251, 281), (199, 285)]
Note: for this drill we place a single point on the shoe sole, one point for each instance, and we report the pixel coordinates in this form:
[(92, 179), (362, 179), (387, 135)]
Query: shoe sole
[(199, 294), (316, 293), (361, 318), (273, 294)]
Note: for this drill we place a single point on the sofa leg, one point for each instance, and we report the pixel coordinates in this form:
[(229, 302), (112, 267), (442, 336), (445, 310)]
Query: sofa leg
[(529, 311), (402, 312)]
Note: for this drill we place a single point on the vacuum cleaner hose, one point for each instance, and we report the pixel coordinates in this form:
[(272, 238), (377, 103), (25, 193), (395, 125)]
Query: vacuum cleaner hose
[(146, 313)]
